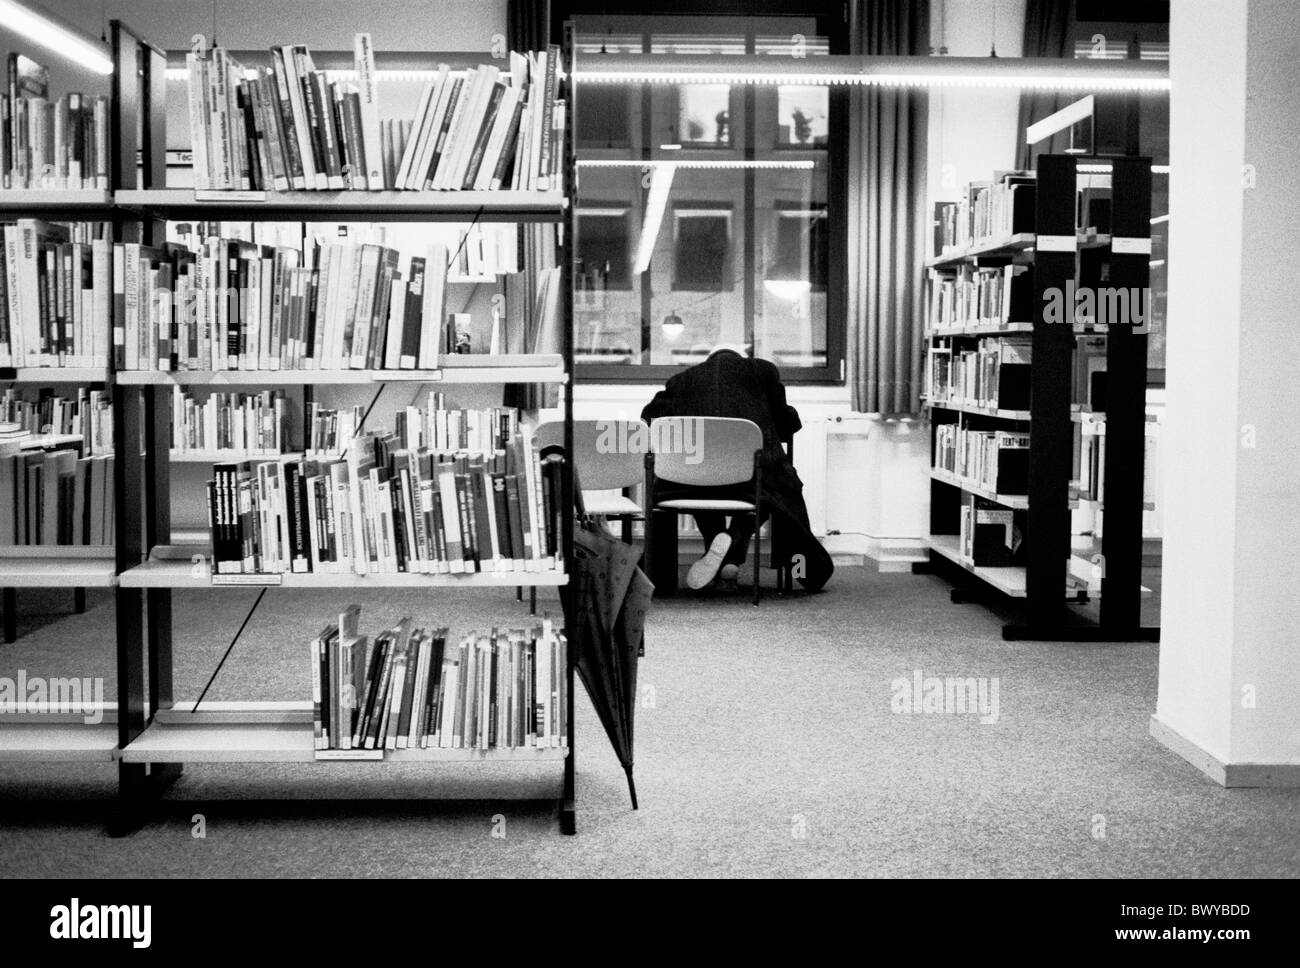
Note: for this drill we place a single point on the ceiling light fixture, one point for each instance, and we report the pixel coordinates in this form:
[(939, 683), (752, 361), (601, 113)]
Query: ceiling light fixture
[(40, 28)]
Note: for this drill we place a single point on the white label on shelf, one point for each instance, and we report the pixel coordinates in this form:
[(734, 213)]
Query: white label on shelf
[(414, 376), (228, 580), (1056, 243), (229, 196), (1127, 246), (362, 754)]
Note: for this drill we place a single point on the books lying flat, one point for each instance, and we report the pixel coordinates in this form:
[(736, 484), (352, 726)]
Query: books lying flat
[(44, 414), (416, 688), (451, 492), (290, 126)]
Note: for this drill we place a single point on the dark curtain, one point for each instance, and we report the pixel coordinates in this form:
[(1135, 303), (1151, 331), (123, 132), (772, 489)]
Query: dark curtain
[(528, 24), (1049, 25), (887, 218)]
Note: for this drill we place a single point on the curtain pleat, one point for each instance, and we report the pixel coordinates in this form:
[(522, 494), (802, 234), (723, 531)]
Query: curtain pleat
[(1048, 26), (887, 159)]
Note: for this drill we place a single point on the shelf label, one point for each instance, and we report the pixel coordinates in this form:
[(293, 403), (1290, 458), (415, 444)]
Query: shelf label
[(362, 754), (243, 580), (228, 196), (1129, 246), (1056, 243), (414, 376)]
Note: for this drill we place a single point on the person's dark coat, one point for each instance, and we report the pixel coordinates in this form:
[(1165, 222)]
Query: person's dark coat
[(730, 385)]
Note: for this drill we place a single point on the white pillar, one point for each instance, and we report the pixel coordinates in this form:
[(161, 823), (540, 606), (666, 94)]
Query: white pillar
[(1229, 693)]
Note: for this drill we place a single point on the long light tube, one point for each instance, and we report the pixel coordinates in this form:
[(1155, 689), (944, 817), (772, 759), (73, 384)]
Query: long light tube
[(661, 183), (843, 69), (41, 29)]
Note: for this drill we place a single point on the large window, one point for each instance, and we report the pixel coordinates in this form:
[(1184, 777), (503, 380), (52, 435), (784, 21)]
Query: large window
[(708, 213)]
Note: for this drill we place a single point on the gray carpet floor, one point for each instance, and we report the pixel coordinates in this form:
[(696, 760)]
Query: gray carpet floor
[(766, 746)]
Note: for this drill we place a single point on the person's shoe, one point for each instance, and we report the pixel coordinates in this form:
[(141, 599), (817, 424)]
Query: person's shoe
[(729, 572), (705, 570)]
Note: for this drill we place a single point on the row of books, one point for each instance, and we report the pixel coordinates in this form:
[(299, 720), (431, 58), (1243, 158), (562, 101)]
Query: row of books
[(990, 536), (1088, 477), (995, 374), (969, 296), (88, 415), (51, 142), (996, 460), (382, 508), (436, 427), (56, 498), (986, 211), (488, 128), (56, 298), (289, 126), (245, 423), (231, 304), (418, 688)]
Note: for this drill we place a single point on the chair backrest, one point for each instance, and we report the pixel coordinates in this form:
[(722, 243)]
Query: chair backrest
[(704, 451), (609, 454)]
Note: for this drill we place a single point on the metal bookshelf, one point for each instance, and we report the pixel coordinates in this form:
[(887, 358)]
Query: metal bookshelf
[(156, 735), (1041, 588)]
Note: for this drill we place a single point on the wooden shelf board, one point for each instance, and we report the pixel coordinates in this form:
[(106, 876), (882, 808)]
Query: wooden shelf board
[(331, 205), (982, 329), (178, 574), (1009, 245), (222, 457), (1016, 501), (1009, 580), (57, 572), (249, 739), (53, 374), (49, 440), (54, 742)]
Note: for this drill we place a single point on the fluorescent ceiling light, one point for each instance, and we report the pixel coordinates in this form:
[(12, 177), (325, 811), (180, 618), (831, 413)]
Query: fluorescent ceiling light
[(788, 289), (843, 69), (1105, 168), (806, 164), (1159, 219), (41, 29), (1066, 118), (661, 183)]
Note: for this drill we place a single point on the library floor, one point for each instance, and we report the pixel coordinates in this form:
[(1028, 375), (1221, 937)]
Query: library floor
[(766, 746)]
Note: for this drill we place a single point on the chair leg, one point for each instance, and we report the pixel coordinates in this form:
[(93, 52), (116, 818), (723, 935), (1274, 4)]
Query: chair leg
[(519, 593), (758, 556), (627, 530), (532, 600)]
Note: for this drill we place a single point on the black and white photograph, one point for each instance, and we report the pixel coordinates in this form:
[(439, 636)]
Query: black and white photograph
[(679, 440)]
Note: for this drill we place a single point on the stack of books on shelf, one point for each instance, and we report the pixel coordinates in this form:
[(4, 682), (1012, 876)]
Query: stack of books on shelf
[(443, 495), (994, 376), (236, 423), (988, 211), (995, 460), (969, 296), (51, 143), (89, 416), (57, 289), (290, 126), (1088, 477), (989, 536), (328, 432), (229, 304), (417, 688), (56, 498)]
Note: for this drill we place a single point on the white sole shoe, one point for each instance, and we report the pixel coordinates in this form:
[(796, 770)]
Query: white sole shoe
[(705, 570)]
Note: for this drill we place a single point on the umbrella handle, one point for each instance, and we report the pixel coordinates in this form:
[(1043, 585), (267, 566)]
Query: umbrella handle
[(631, 785)]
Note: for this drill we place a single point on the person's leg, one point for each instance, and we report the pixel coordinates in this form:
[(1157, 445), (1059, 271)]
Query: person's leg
[(741, 530), (717, 543)]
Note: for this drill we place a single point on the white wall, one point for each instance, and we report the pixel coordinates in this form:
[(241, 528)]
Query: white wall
[(1229, 671)]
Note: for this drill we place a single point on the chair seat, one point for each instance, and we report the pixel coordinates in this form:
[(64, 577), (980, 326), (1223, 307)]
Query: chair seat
[(686, 504), (598, 503)]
